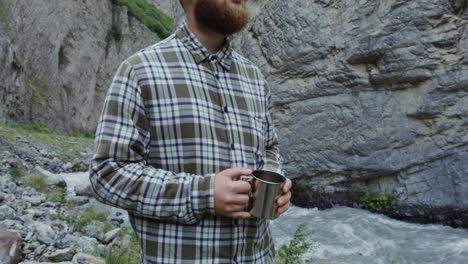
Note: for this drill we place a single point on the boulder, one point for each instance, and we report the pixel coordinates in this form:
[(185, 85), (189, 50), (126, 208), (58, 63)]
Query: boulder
[(51, 178), (82, 258), (10, 247), (59, 255)]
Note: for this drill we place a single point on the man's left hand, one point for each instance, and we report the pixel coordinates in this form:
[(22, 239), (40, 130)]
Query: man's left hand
[(283, 200)]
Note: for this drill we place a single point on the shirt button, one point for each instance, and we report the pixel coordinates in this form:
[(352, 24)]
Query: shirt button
[(226, 109), (217, 75), (232, 146)]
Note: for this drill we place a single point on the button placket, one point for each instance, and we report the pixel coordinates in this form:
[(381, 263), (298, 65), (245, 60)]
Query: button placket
[(215, 69)]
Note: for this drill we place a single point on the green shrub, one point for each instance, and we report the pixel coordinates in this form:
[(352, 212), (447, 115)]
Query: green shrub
[(66, 148), (86, 217), (128, 254), (16, 173), (374, 202), (35, 181), (299, 245), (148, 14), (37, 126), (301, 185), (57, 195)]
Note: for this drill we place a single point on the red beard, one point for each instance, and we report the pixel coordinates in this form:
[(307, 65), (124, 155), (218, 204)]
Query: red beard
[(221, 16)]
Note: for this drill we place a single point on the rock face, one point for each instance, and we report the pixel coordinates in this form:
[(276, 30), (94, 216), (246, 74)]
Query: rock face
[(369, 97), (58, 59)]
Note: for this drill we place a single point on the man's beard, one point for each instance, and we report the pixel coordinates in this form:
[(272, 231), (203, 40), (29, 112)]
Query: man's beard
[(221, 16)]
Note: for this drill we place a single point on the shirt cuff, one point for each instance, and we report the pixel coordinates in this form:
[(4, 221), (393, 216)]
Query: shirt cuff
[(204, 200)]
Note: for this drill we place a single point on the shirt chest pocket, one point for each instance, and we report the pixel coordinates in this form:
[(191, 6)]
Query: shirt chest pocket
[(258, 125)]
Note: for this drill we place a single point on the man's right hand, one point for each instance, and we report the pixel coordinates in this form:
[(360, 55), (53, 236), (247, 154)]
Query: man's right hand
[(230, 194)]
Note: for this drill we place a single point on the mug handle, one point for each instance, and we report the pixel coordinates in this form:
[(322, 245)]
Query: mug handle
[(250, 194)]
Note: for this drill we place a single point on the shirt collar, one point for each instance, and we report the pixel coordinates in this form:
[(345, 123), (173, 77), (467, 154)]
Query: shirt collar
[(199, 52)]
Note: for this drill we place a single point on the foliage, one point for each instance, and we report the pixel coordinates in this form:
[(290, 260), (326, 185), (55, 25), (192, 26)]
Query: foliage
[(119, 253), (16, 173), (38, 89), (148, 14), (4, 13), (66, 147), (88, 134), (374, 202), (35, 181), (39, 127), (299, 245), (81, 219), (57, 195), (86, 217), (301, 185)]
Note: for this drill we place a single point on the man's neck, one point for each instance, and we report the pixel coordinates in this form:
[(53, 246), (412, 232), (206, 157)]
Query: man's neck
[(212, 41)]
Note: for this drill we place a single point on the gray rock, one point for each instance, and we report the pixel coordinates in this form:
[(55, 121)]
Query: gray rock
[(59, 227), (2, 197), (66, 241), (82, 258), (51, 178), (111, 235), (40, 249), (33, 212), (78, 200), (45, 240), (60, 255), (67, 166), (93, 229), (43, 230), (86, 244), (84, 190), (34, 200), (6, 212), (11, 187)]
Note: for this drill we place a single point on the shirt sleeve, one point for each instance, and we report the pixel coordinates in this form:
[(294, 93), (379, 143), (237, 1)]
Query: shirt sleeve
[(273, 161), (119, 173)]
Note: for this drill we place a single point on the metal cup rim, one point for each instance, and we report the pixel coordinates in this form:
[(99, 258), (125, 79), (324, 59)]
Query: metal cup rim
[(268, 182)]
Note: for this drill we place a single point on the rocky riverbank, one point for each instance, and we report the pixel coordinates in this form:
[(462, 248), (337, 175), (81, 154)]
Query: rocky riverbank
[(45, 216), (48, 214), (416, 213)]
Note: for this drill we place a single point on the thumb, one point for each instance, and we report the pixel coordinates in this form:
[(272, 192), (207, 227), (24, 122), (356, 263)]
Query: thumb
[(234, 173)]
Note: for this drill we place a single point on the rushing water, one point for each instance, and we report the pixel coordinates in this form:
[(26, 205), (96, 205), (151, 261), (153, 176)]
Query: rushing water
[(347, 235)]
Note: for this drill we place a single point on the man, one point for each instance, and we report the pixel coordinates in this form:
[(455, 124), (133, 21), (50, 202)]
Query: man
[(183, 120)]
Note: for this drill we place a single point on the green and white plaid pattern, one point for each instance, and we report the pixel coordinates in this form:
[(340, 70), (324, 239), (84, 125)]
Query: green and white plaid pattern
[(173, 117)]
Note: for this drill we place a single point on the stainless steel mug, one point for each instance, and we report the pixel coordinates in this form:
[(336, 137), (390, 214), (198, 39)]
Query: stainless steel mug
[(265, 187)]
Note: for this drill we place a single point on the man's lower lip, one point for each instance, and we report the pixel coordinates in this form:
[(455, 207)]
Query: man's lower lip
[(238, 1)]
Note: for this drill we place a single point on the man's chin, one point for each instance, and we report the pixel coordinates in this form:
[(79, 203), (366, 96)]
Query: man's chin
[(231, 16)]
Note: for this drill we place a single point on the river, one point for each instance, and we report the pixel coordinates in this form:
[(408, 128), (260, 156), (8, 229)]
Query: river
[(346, 235)]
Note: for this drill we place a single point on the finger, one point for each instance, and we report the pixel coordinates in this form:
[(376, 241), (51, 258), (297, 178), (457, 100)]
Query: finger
[(283, 199), (240, 187), (283, 209), (240, 215), (235, 208), (240, 199), (286, 186), (234, 173)]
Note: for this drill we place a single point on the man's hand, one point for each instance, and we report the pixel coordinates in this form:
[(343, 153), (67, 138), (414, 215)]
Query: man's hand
[(230, 194), (283, 200)]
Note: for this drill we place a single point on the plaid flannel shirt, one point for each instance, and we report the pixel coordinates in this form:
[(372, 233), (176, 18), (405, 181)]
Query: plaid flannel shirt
[(174, 116)]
